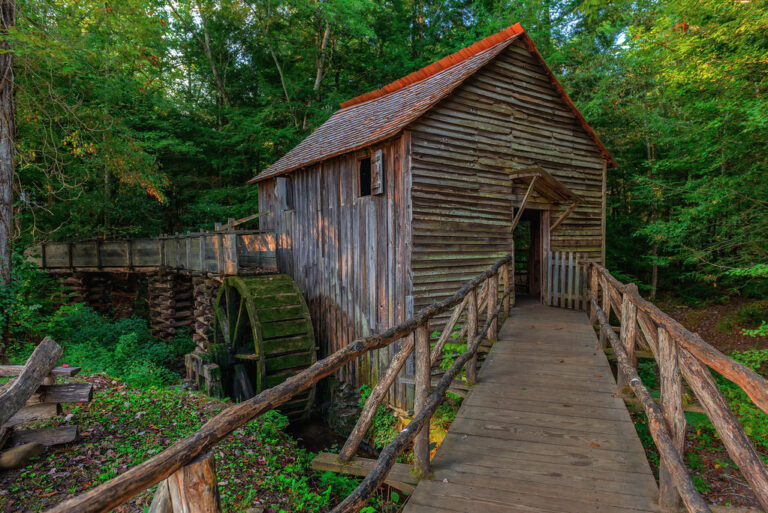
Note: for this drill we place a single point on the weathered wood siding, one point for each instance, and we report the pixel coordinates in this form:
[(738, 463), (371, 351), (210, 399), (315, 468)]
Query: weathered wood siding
[(350, 255), (508, 115)]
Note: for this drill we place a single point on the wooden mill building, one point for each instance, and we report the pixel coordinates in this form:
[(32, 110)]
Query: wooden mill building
[(410, 190)]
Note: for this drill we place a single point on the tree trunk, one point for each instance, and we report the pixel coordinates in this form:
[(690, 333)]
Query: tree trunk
[(7, 137), (7, 140)]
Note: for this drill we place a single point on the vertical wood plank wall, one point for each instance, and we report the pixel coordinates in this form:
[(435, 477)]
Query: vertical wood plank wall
[(508, 115), (350, 255)]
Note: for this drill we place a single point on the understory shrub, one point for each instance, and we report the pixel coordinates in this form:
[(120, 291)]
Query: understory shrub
[(123, 348), (384, 426)]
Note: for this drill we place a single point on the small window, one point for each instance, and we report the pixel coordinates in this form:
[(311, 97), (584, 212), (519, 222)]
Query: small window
[(364, 166)]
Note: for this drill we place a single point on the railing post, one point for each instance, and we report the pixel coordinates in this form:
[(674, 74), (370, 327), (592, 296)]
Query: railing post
[(512, 276), (606, 305), (674, 416), (505, 280), (593, 290), (471, 371), (194, 488), (628, 332), (492, 297), (423, 377)]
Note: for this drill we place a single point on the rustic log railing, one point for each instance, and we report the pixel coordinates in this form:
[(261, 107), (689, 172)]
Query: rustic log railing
[(679, 354), (174, 460)]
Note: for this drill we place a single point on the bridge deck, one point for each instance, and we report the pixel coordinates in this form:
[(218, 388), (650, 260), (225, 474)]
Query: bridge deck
[(542, 431)]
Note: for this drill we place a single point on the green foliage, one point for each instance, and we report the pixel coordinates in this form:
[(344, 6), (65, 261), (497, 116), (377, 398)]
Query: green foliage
[(754, 420), (384, 426), (25, 305), (760, 331), (124, 348), (446, 412)]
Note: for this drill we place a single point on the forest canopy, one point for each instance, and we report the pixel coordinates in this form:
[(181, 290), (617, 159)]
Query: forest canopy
[(140, 117)]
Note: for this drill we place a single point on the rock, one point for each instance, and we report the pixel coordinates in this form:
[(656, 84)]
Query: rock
[(19, 456)]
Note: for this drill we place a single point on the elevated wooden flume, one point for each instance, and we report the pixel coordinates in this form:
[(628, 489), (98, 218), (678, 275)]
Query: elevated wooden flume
[(188, 464), (225, 250)]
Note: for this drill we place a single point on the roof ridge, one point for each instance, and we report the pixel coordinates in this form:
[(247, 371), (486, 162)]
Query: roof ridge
[(438, 66)]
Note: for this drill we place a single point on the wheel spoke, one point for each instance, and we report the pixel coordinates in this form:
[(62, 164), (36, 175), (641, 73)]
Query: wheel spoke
[(223, 322)]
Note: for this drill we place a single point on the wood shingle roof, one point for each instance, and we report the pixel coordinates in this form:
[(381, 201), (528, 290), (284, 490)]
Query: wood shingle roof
[(381, 114)]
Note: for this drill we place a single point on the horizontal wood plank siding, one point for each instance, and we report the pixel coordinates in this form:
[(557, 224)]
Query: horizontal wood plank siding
[(350, 255), (507, 116)]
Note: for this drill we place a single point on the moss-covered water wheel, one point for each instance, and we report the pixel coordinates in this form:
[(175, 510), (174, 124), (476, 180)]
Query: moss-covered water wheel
[(262, 336)]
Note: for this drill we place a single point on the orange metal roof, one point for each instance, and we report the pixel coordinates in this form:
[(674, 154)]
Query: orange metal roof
[(381, 114)]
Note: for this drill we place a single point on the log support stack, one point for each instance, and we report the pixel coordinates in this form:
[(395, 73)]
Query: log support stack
[(161, 304), (204, 292), (97, 292), (75, 284), (171, 303)]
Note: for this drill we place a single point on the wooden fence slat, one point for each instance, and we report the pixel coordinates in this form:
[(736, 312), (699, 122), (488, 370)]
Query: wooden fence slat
[(550, 265)]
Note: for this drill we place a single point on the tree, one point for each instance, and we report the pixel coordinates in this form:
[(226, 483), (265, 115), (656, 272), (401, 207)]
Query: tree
[(7, 138)]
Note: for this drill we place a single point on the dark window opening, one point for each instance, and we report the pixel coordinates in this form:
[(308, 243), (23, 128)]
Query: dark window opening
[(365, 176)]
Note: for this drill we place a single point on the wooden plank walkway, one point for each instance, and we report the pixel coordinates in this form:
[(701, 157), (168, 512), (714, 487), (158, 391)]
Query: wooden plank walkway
[(542, 431)]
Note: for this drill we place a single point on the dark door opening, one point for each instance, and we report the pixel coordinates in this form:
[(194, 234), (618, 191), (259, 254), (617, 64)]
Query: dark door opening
[(529, 251)]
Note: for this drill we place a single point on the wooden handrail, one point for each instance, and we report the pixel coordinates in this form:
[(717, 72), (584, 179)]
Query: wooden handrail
[(753, 384), (108, 495), (389, 454), (677, 352), (661, 437)]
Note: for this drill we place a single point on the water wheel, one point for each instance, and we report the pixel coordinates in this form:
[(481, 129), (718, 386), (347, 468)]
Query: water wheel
[(262, 336)]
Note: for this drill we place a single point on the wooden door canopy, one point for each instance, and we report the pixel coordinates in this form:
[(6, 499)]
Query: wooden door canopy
[(547, 186)]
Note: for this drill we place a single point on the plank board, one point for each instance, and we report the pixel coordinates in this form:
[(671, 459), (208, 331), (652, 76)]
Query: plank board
[(532, 438)]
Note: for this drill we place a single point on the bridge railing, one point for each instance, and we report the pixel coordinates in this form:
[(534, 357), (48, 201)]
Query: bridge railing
[(187, 467), (680, 355)]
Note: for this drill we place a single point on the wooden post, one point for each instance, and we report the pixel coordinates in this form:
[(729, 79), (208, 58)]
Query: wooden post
[(194, 488), (505, 280), (423, 377), (606, 307), (594, 289), (628, 332), (512, 275), (674, 416), (471, 332), (492, 301)]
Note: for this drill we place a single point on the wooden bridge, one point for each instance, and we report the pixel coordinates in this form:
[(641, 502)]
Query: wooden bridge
[(544, 428)]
